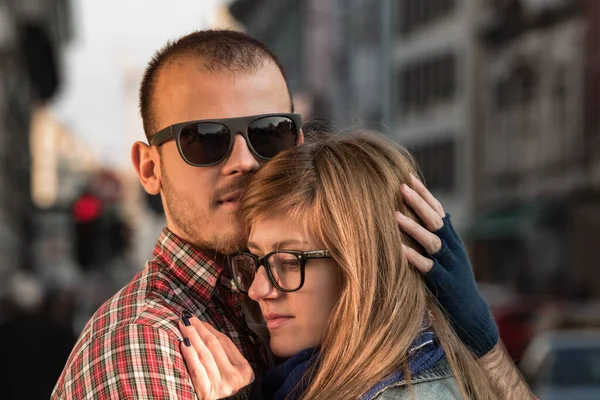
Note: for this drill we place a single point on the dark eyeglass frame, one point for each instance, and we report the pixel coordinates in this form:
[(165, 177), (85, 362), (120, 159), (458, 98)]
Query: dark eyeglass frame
[(238, 125), (302, 257)]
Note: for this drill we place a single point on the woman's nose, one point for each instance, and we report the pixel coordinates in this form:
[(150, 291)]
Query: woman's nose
[(261, 286)]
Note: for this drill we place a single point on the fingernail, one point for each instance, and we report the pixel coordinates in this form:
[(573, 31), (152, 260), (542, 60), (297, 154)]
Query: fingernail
[(187, 313), (400, 215), (407, 188), (187, 343), (186, 320)]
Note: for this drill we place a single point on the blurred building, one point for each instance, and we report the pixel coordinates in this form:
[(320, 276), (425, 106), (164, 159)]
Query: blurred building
[(588, 227), (60, 161), (592, 83), (539, 215), (402, 67), (61, 166), (497, 100), (434, 66), (282, 26), (31, 35)]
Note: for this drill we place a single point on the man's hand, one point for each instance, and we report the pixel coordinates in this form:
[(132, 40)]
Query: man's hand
[(216, 366), (448, 270)]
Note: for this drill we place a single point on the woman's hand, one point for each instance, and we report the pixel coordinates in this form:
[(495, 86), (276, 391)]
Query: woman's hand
[(216, 366), (447, 271)]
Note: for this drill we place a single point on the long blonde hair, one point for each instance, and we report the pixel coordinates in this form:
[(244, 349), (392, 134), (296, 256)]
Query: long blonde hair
[(346, 190)]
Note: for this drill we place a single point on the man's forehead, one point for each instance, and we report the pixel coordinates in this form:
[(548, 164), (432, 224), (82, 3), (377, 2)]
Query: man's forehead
[(184, 89)]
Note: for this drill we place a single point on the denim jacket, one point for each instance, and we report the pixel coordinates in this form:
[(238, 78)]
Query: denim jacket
[(435, 383)]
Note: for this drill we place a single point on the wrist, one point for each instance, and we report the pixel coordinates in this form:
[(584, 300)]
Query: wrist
[(248, 392)]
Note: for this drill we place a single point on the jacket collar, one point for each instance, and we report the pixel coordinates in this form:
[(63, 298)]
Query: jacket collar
[(426, 362)]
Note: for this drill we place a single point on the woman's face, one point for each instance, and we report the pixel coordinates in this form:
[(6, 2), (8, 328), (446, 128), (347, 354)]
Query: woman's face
[(296, 320)]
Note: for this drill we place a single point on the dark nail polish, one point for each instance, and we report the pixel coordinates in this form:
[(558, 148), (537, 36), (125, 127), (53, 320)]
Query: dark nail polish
[(186, 320), (187, 342), (187, 313)]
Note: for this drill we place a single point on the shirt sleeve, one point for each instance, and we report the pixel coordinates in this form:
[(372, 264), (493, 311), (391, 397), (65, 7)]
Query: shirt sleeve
[(134, 361)]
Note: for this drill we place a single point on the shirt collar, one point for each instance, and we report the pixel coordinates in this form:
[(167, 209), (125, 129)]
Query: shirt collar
[(194, 268)]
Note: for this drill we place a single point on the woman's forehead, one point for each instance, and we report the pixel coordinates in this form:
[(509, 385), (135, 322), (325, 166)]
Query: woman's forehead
[(279, 228)]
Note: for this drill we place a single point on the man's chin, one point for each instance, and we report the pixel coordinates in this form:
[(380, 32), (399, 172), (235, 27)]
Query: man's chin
[(229, 241)]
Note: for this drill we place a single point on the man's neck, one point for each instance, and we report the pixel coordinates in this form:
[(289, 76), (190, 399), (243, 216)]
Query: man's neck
[(212, 254)]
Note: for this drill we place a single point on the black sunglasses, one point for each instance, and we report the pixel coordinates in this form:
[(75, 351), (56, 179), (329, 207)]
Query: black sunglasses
[(204, 143), (285, 269)]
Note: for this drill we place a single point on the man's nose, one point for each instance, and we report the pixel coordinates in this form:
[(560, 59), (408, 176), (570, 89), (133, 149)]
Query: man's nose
[(261, 286), (241, 160)]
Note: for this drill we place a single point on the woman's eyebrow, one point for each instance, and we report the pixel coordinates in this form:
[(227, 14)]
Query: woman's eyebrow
[(287, 243), (282, 243)]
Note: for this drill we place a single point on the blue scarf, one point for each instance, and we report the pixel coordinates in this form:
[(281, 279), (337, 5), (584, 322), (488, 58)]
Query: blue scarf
[(280, 382), (288, 381)]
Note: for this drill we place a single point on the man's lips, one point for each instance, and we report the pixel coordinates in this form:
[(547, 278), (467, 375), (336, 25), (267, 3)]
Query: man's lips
[(231, 198), (276, 320)]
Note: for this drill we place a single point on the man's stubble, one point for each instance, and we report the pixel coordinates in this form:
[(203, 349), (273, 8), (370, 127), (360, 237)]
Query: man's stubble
[(196, 226)]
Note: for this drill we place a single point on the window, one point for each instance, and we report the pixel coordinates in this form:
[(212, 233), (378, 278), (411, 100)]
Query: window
[(413, 14), (367, 22), (427, 82), (518, 88), (559, 95), (437, 160)]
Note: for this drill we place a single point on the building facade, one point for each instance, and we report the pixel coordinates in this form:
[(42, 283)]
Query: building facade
[(434, 67), (31, 35), (401, 67), (536, 200), (497, 100), (281, 25)]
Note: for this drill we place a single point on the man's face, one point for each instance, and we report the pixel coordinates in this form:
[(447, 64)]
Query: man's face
[(201, 202)]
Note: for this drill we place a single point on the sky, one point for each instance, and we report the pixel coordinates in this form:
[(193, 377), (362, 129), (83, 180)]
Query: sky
[(102, 66)]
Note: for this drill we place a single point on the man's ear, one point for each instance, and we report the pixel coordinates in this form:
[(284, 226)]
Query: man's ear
[(301, 138), (146, 162)]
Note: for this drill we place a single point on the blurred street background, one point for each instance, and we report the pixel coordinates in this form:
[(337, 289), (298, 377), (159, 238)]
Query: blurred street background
[(498, 100)]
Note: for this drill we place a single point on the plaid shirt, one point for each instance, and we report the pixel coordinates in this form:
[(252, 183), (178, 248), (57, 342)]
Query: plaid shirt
[(130, 347)]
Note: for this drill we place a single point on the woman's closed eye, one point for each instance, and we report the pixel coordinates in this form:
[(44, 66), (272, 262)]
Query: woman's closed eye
[(290, 265), (286, 262)]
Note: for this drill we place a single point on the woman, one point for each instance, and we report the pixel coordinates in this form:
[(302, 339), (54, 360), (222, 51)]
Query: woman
[(328, 266)]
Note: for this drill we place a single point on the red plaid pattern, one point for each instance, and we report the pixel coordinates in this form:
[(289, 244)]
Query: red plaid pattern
[(130, 347)]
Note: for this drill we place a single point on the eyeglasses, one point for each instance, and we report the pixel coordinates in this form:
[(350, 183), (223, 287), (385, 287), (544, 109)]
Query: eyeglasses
[(285, 269), (203, 143)]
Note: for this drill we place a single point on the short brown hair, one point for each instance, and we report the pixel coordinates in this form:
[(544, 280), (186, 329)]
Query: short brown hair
[(218, 49)]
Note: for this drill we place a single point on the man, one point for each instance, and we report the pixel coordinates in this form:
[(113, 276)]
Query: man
[(130, 347)]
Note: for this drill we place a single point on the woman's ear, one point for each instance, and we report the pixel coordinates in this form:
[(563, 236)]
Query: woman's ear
[(146, 162)]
